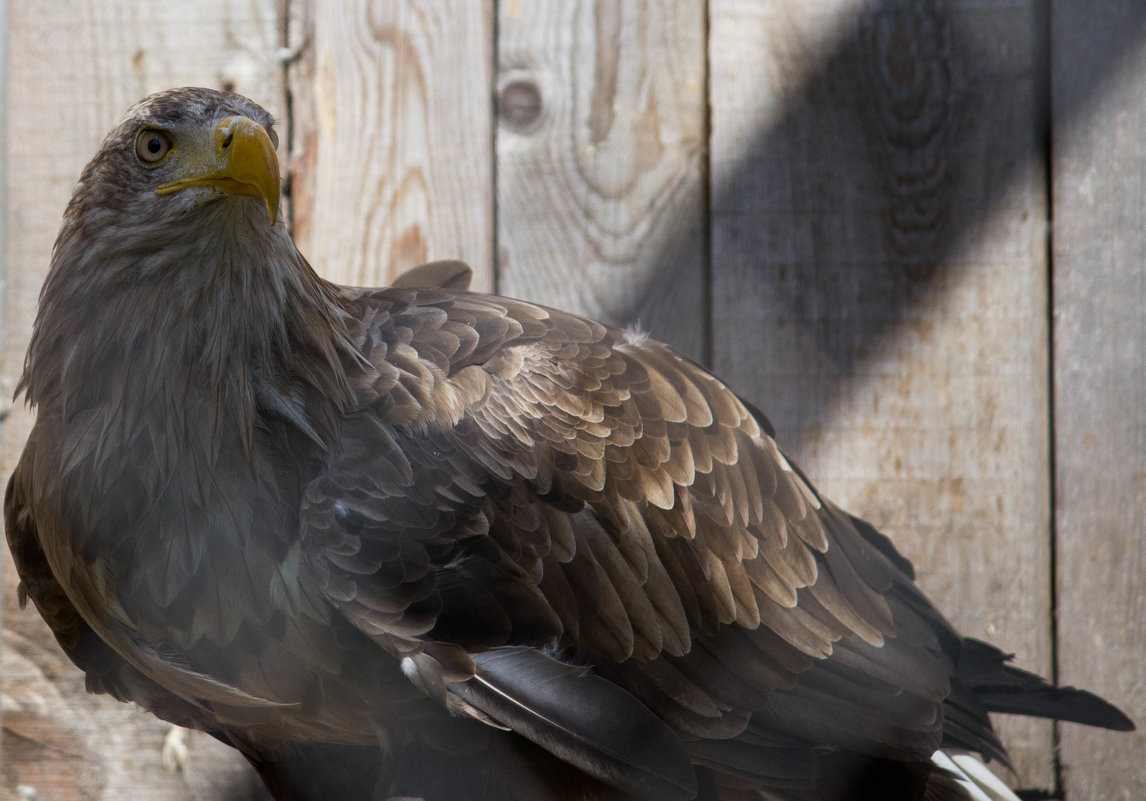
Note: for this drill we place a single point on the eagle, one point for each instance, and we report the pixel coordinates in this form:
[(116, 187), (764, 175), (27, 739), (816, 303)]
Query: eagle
[(420, 542)]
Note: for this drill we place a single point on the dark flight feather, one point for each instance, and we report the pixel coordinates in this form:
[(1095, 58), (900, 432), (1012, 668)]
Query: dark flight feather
[(1001, 687), (583, 719)]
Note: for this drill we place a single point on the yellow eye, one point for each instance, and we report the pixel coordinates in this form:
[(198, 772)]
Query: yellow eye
[(152, 146)]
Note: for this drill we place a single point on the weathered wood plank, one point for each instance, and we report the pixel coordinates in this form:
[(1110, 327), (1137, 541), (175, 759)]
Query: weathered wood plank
[(61, 744), (1099, 241), (600, 168), (74, 67), (879, 285), (392, 145)]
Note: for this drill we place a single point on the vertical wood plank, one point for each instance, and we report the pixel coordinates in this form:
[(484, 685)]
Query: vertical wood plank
[(392, 136), (4, 585), (879, 274), (74, 67), (600, 161), (1099, 243)]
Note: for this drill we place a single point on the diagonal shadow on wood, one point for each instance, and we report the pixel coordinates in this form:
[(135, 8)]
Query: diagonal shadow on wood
[(849, 213), (859, 200)]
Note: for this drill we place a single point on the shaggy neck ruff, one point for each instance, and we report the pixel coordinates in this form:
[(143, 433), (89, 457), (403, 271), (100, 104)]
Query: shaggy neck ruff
[(197, 324)]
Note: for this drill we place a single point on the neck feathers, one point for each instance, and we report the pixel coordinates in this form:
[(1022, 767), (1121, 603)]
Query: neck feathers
[(197, 336)]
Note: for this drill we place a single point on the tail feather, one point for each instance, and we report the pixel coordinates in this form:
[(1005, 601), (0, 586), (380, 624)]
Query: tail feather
[(966, 726), (973, 777)]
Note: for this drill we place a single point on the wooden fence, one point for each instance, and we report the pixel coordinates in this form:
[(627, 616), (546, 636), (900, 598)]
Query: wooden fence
[(911, 231)]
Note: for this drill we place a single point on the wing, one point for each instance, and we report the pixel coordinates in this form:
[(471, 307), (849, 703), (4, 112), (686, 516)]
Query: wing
[(105, 670), (521, 490)]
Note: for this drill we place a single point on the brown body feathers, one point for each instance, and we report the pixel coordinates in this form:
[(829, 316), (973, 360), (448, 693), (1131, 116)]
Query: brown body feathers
[(423, 542)]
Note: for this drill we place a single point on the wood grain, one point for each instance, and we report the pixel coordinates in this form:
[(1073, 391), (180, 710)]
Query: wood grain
[(74, 67), (392, 135), (879, 286), (600, 161), (1099, 239)]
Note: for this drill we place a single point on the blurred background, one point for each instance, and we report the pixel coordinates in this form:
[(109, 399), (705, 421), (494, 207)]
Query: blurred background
[(911, 231)]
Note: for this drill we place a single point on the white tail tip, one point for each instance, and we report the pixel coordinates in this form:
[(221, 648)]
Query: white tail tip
[(976, 778)]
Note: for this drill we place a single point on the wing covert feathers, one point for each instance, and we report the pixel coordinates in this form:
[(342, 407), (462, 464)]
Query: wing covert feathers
[(548, 481), (585, 457)]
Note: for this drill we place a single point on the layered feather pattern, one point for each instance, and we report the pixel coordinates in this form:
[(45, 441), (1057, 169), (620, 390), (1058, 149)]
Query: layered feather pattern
[(423, 542)]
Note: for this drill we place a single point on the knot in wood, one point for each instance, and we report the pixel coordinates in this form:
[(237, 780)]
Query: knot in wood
[(520, 104)]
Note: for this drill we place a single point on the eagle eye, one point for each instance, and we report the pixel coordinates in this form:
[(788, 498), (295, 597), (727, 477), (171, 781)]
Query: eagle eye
[(152, 146)]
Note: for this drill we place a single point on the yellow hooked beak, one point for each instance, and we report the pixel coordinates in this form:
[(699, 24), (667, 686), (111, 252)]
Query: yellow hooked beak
[(242, 162)]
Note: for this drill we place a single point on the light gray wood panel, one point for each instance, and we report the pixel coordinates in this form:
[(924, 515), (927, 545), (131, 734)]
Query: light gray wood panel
[(879, 285), (1099, 192), (600, 144), (74, 67), (392, 126)]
